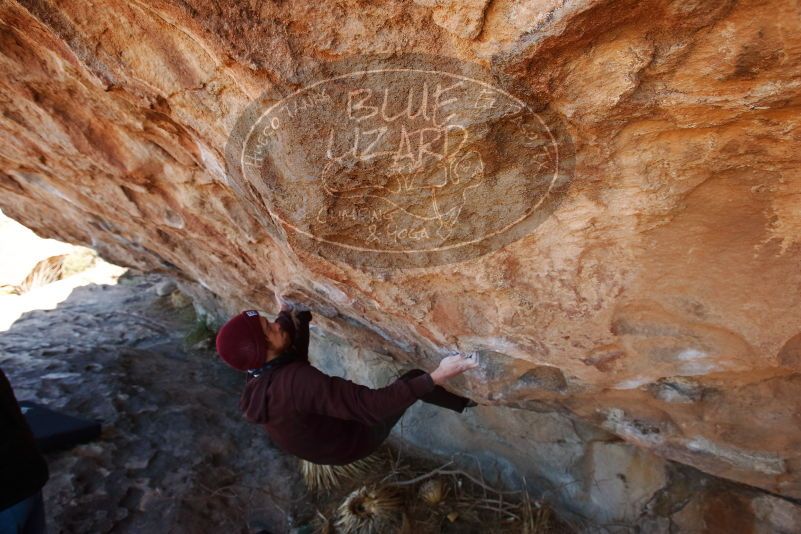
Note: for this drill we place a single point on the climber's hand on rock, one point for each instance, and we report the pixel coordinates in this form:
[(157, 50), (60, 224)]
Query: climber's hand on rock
[(290, 304), (300, 312), (283, 303), (451, 366)]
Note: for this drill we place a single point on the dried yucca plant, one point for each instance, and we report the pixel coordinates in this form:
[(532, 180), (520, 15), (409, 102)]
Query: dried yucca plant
[(433, 491), (44, 272), (372, 510), (326, 477), (323, 524)]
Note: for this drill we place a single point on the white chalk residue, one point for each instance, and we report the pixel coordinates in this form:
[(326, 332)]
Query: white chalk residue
[(764, 462), (331, 292), (632, 383), (691, 354), (617, 422), (212, 163), (696, 362)]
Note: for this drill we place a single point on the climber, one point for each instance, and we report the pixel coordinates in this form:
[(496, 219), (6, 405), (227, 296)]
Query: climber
[(319, 418)]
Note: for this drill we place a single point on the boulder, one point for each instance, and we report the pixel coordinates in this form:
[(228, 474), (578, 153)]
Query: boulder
[(617, 231)]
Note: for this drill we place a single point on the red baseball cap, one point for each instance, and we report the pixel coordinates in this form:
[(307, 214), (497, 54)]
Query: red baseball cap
[(241, 342)]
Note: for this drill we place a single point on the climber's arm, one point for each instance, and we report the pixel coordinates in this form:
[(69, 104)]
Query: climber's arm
[(315, 392), (296, 317), (302, 320)]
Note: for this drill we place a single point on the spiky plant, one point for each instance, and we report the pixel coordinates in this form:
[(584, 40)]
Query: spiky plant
[(323, 524), (318, 477), (326, 477), (371, 510), (44, 272), (433, 491)]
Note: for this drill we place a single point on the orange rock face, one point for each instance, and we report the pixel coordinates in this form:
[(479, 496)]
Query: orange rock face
[(659, 298)]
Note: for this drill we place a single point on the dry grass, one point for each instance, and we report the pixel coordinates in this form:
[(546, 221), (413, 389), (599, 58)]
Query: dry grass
[(407, 495), (327, 477), (371, 510), (52, 269), (44, 272)]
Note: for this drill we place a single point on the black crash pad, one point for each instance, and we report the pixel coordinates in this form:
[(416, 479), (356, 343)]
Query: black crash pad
[(54, 430)]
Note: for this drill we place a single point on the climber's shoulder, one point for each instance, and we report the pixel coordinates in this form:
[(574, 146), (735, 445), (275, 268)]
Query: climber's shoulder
[(291, 369), (301, 375)]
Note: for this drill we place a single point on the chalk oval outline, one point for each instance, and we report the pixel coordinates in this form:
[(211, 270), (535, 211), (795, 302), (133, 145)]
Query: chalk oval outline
[(419, 250)]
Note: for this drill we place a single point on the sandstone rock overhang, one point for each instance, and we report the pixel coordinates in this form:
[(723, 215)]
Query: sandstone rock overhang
[(659, 299)]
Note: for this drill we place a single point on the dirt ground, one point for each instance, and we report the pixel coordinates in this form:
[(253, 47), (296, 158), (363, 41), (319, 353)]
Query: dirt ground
[(175, 454)]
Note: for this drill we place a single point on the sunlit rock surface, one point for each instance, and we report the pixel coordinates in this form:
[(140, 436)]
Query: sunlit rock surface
[(658, 301)]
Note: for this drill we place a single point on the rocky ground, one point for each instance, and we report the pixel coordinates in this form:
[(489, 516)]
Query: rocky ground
[(175, 455)]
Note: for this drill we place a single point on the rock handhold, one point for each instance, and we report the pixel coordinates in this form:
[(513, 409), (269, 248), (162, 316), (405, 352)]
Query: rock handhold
[(543, 377)]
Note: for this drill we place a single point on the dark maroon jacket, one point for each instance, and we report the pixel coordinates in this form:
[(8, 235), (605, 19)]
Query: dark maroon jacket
[(320, 418)]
